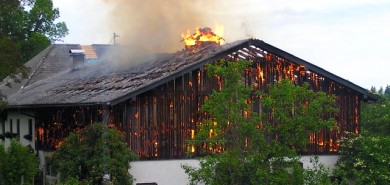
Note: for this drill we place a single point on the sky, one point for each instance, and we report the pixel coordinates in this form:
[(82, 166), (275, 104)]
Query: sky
[(348, 38)]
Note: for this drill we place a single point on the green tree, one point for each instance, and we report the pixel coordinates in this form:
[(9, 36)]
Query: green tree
[(376, 116), (41, 20), (20, 18), (17, 162), (11, 61), (297, 112), (2, 163), (13, 19), (373, 89), (34, 44), (245, 147), (381, 91), (387, 91), (365, 159), (89, 154)]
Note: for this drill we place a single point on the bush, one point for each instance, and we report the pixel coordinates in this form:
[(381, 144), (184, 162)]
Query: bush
[(319, 174), (16, 162), (365, 159), (93, 152)]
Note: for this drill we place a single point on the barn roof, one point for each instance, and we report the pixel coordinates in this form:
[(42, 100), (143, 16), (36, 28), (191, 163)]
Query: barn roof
[(124, 72)]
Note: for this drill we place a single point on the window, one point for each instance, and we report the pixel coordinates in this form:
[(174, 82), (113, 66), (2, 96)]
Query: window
[(30, 127), (10, 126), (18, 126)]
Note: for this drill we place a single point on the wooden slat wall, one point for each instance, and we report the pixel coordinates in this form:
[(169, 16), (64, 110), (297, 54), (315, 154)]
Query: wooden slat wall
[(161, 120), (156, 124), (55, 124)]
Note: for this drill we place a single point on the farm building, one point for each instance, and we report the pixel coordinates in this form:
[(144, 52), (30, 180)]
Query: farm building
[(154, 99)]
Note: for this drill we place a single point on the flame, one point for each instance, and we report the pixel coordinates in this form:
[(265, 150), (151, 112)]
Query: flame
[(57, 144), (202, 35)]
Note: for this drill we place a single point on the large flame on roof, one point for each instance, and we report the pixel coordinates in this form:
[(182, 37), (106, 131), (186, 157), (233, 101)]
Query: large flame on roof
[(203, 35)]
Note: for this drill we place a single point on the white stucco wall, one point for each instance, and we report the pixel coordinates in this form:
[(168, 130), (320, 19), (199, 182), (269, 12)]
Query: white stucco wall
[(163, 172), (169, 172), (329, 161), (24, 130)]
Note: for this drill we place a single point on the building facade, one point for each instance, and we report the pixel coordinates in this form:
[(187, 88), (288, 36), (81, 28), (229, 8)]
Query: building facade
[(156, 103)]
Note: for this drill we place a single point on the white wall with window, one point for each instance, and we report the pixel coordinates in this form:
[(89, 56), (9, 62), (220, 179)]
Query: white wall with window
[(18, 125)]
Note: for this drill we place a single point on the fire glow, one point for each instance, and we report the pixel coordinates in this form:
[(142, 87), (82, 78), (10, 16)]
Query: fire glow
[(202, 36)]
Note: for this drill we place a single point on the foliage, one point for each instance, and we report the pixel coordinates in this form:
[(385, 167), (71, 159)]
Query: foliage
[(89, 154), (319, 174), (12, 19), (3, 102), (2, 163), (34, 44), (297, 112), (11, 61), (246, 149), (71, 181), (75, 181), (16, 162), (373, 89), (365, 159), (226, 107), (41, 19), (387, 91), (376, 116), (20, 18), (380, 91)]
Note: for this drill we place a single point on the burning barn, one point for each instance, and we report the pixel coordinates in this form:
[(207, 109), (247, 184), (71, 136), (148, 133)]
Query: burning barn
[(156, 102)]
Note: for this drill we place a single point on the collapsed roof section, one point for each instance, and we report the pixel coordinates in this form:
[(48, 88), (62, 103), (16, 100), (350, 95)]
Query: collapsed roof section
[(116, 78)]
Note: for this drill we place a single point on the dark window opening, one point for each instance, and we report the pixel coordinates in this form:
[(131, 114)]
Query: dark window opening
[(18, 126)]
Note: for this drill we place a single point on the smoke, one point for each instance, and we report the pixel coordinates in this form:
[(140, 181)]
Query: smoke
[(157, 25), (247, 30), (122, 57)]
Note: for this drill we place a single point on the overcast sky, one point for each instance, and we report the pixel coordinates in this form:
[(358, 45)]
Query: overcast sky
[(348, 38)]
